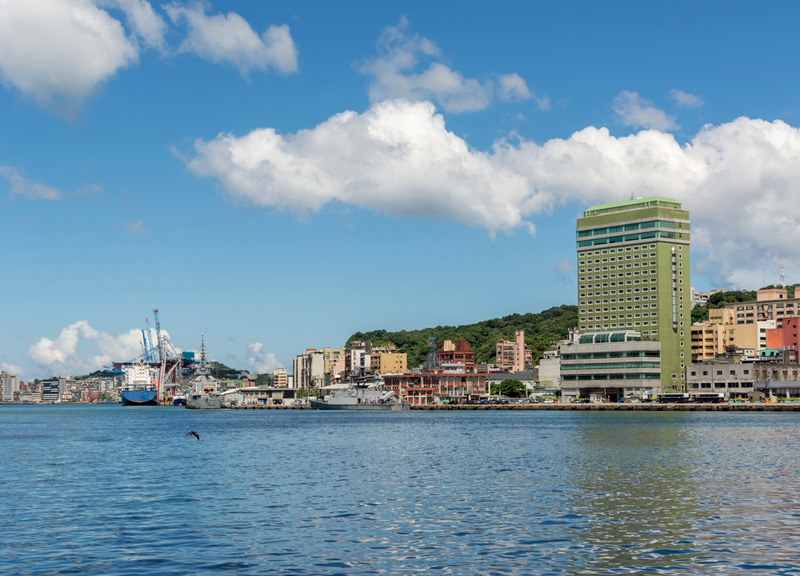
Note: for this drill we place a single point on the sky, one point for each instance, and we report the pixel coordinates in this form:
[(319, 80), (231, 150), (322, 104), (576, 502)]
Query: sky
[(276, 176)]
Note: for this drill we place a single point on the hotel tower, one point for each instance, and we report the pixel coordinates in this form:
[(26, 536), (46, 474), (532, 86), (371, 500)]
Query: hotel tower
[(633, 274)]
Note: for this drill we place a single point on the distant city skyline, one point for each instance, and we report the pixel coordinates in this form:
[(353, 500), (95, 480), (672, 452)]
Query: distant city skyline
[(278, 176)]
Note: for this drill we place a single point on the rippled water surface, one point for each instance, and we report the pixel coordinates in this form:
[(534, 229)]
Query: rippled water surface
[(113, 490)]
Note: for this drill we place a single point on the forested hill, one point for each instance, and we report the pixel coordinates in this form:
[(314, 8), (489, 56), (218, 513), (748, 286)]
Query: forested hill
[(540, 330)]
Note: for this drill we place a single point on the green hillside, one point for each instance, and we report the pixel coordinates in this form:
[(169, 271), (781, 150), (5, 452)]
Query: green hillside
[(540, 330)]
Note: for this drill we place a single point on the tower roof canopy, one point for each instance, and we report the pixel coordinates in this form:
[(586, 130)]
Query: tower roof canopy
[(636, 203)]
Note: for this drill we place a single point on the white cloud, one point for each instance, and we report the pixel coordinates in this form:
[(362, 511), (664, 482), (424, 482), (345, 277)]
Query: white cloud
[(397, 158), (686, 100), (229, 38), (514, 87), (66, 355), (739, 179), (24, 187), (633, 110), (261, 361), (11, 368), (564, 271), (142, 19), (29, 189), (399, 72), (136, 227), (59, 51)]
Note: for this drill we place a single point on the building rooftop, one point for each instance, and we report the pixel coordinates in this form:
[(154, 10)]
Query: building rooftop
[(649, 201)]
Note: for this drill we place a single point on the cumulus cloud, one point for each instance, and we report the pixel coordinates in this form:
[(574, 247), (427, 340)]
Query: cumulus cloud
[(65, 355), (261, 361), (686, 100), (635, 111), (397, 158), (229, 38), (408, 68), (59, 51), (739, 179)]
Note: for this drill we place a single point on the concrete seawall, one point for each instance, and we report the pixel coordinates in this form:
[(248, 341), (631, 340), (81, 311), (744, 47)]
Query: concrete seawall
[(621, 407)]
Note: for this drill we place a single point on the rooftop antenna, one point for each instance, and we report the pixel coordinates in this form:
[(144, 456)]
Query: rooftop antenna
[(783, 276)]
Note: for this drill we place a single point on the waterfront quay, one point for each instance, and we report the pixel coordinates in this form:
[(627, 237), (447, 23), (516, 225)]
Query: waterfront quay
[(609, 406), (624, 407)]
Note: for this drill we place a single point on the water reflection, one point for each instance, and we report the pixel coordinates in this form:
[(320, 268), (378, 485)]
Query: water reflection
[(633, 491)]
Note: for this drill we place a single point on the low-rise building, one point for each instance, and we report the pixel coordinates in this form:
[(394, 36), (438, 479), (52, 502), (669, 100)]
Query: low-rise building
[(728, 376), (548, 371), (612, 365), (428, 387)]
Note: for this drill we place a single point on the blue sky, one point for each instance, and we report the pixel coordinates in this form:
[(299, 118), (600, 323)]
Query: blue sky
[(279, 175)]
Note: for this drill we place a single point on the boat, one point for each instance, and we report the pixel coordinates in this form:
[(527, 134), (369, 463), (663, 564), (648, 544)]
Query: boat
[(204, 394), (358, 396), (140, 385)]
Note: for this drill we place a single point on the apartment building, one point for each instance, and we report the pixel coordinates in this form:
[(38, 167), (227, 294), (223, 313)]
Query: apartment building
[(513, 355), (771, 304)]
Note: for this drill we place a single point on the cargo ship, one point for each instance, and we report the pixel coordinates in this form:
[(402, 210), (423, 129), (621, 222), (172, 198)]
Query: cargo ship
[(140, 385)]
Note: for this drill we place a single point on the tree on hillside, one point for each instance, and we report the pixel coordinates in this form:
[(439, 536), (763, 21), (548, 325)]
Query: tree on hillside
[(540, 329)]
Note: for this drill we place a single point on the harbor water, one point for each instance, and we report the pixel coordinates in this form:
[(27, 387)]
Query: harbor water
[(113, 490)]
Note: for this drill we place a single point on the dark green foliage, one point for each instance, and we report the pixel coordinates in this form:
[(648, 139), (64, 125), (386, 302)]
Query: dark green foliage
[(264, 380), (219, 370), (540, 330), (719, 299), (511, 388), (699, 314)]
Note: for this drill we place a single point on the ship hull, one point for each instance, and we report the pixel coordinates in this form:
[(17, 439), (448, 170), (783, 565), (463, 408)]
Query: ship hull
[(321, 405), (203, 401), (139, 398)]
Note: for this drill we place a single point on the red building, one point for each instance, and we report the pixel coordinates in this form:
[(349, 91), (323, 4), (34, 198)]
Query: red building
[(422, 388), (785, 337), (457, 352)]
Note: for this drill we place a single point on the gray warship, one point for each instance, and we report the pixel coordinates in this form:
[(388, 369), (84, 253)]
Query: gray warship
[(204, 394), (358, 396)]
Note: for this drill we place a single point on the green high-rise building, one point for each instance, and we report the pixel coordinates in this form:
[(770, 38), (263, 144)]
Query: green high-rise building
[(633, 274)]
